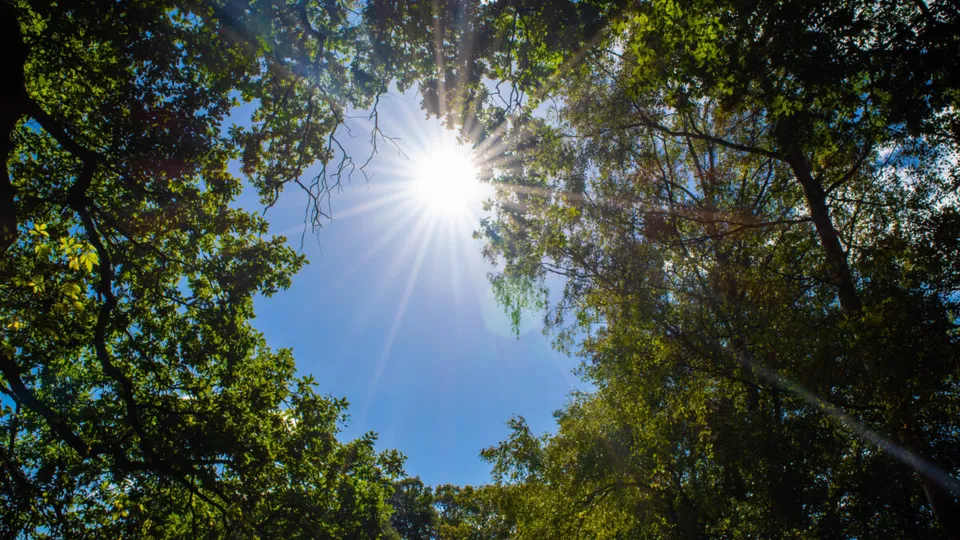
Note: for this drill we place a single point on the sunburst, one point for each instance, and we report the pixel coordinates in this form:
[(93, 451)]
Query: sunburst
[(444, 178)]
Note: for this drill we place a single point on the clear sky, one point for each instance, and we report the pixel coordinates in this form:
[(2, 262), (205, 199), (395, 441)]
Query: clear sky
[(394, 311)]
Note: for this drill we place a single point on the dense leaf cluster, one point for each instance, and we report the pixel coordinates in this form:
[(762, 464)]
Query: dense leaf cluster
[(447, 511)]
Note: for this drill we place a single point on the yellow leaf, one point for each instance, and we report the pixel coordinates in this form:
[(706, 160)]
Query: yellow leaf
[(40, 229)]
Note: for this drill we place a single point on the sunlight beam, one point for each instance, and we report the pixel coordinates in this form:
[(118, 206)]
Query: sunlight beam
[(397, 319)]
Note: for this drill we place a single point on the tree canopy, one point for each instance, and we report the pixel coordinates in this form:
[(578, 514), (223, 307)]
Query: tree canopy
[(752, 205), (139, 400)]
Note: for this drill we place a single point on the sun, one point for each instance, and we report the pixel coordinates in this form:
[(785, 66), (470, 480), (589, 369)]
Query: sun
[(445, 177)]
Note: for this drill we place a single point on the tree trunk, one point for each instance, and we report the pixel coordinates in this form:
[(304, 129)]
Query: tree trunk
[(829, 239), (13, 95), (943, 503)]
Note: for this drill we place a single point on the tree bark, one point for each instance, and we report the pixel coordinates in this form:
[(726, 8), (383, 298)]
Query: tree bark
[(13, 95)]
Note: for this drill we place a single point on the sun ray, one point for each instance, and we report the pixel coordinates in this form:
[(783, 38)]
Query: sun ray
[(400, 226), (360, 209), (897, 451), (551, 83), (450, 237), (420, 227), (384, 357)]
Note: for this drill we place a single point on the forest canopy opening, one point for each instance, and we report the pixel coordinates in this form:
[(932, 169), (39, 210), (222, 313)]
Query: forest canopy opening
[(710, 183)]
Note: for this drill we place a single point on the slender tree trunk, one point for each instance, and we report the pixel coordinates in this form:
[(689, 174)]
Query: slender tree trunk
[(829, 239), (943, 503), (12, 98)]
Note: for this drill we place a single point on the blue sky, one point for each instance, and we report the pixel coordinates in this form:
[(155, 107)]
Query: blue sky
[(394, 312)]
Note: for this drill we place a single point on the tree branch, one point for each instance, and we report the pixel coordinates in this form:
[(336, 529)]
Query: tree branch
[(11, 372)]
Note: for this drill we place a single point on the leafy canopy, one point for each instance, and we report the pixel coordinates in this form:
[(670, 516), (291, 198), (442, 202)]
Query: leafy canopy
[(138, 398), (752, 205)]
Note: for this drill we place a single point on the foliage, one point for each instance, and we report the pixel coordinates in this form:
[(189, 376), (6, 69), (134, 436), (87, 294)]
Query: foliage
[(448, 512), (751, 205), (139, 400), (472, 513), (414, 516)]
